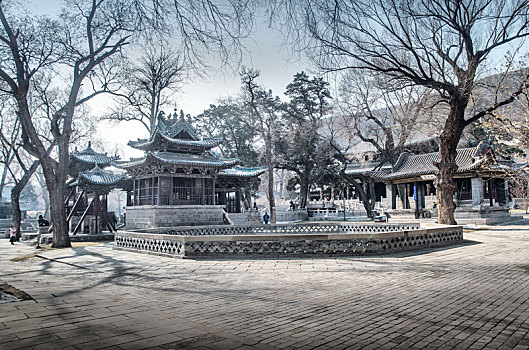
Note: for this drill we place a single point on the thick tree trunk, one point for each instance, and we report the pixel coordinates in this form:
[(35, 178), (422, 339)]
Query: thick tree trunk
[(15, 206), (61, 238), (303, 190), (449, 139)]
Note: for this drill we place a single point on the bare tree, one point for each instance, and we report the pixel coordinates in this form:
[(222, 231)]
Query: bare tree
[(441, 45), (147, 85), (82, 49), (262, 110), (21, 169), (519, 188), (7, 149), (388, 119)]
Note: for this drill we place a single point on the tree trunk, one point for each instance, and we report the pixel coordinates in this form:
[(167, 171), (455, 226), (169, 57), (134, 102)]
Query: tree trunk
[(303, 190), (61, 237), (247, 198), (372, 196), (364, 196), (15, 205), (17, 191), (449, 139), (270, 168), (3, 181)]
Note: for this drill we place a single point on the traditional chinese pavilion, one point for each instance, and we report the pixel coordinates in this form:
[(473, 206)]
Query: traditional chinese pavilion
[(481, 182), (89, 186), (180, 181)]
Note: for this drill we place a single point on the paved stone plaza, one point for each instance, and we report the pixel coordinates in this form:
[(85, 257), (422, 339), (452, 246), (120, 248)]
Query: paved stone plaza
[(473, 295)]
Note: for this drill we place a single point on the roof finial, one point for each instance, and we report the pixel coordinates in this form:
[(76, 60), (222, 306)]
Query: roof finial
[(89, 145), (181, 115), (188, 118)]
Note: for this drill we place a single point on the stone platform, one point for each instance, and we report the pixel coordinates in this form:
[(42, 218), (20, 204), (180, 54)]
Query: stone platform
[(482, 215), (464, 215), (288, 240)]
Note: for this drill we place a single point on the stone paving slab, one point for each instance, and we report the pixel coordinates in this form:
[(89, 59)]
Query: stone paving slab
[(472, 295)]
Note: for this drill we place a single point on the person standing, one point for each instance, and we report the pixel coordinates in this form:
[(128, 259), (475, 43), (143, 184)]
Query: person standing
[(266, 217), (12, 235)]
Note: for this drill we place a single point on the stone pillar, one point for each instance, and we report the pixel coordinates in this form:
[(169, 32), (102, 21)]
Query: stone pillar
[(389, 195), (477, 190)]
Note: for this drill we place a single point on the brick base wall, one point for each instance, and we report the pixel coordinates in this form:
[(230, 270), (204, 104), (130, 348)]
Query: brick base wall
[(169, 216)]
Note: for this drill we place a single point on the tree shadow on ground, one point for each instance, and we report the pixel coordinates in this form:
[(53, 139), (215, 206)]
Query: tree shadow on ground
[(118, 274), (352, 256)]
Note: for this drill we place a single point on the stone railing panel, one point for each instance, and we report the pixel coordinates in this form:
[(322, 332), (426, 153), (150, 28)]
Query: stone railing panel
[(296, 228), (289, 240)]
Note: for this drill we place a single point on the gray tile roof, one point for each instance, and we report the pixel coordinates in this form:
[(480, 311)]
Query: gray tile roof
[(243, 172), (411, 165), (184, 159), (165, 136), (157, 138), (172, 127), (367, 168), (89, 156), (98, 176)]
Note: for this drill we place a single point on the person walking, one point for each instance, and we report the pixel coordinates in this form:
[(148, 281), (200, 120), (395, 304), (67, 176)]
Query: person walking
[(12, 235)]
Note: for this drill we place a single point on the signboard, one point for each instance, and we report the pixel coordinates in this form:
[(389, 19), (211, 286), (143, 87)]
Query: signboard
[(415, 192)]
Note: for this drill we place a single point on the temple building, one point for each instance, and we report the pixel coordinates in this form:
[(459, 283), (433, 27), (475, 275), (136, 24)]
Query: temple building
[(89, 186), (408, 189), (180, 181)]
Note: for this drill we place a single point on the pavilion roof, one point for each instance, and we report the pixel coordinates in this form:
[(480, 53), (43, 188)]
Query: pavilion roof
[(159, 138), (89, 156), (174, 126), (243, 172), (467, 159), (96, 177), (366, 169), (176, 134), (184, 159), (411, 165)]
